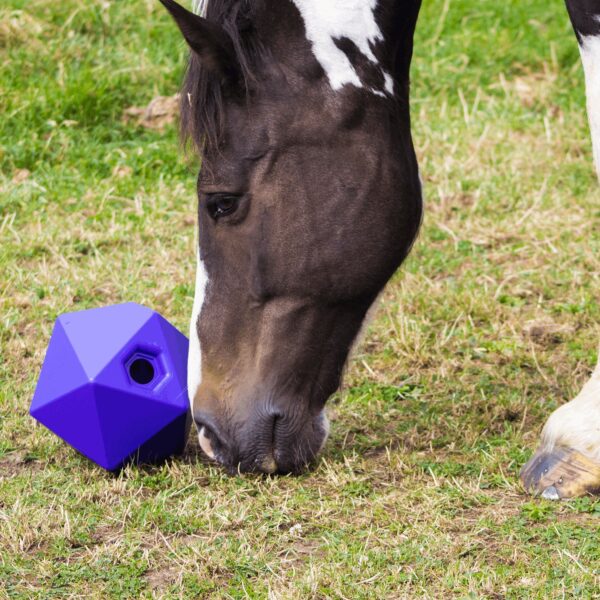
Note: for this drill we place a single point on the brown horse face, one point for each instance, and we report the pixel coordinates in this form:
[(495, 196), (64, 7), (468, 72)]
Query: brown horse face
[(307, 206)]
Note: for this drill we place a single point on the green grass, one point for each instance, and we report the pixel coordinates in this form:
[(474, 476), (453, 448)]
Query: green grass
[(416, 494)]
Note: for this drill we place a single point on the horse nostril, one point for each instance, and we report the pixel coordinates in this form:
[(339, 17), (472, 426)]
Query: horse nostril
[(206, 443), (210, 437)]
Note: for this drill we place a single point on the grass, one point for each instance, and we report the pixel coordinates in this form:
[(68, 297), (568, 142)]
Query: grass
[(416, 494)]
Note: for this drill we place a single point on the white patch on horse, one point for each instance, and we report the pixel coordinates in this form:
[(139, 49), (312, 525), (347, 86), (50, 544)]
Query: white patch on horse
[(590, 56), (576, 424), (328, 20), (194, 374), (206, 444), (199, 7)]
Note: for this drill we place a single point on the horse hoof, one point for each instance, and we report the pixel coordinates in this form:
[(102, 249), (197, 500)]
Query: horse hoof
[(561, 473)]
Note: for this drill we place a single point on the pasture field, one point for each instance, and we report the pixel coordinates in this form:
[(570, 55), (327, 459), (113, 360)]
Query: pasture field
[(492, 323)]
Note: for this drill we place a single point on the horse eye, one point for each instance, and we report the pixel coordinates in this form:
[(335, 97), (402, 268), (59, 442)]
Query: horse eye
[(221, 205)]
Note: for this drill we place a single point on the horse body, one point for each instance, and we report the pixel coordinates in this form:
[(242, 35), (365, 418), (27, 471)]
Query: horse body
[(309, 200)]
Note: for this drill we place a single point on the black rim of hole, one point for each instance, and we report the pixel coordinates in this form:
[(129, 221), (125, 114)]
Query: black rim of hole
[(141, 371)]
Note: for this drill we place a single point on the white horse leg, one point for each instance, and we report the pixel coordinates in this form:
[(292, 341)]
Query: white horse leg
[(590, 57), (567, 463)]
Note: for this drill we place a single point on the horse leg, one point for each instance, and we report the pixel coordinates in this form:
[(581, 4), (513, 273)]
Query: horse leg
[(567, 463)]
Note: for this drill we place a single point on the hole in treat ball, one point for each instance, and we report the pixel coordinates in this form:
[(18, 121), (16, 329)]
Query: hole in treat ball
[(141, 371)]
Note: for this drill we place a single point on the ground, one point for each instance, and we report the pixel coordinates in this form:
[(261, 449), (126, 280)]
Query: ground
[(492, 323)]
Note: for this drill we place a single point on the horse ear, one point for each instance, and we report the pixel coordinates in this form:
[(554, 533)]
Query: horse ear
[(207, 40)]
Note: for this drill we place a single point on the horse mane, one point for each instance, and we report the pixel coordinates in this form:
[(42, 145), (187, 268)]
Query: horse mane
[(202, 98)]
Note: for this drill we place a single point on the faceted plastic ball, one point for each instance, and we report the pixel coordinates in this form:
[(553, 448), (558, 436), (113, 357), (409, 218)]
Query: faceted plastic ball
[(113, 385)]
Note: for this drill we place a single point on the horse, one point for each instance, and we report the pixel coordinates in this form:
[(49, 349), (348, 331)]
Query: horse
[(309, 200)]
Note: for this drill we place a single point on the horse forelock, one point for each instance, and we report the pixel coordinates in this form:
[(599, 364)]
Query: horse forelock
[(202, 100)]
